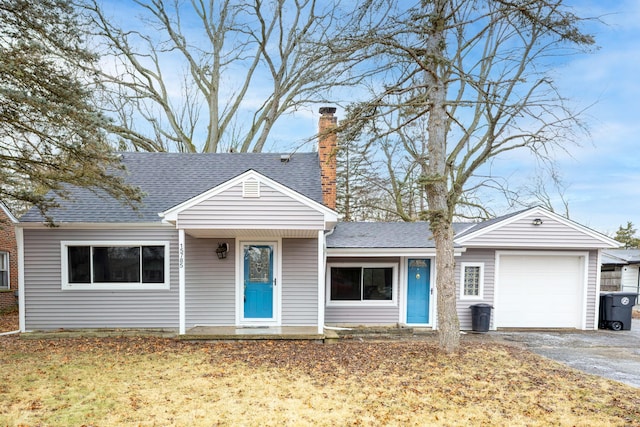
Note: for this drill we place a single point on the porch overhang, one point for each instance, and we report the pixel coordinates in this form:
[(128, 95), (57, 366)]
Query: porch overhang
[(251, 233)]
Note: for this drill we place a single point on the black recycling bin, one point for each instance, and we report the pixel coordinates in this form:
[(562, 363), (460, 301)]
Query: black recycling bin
[(616, 310), (480, 317)]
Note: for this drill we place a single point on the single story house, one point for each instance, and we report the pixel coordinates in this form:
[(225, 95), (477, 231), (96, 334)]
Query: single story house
[(253, 241), (8, 259), (620, 270)]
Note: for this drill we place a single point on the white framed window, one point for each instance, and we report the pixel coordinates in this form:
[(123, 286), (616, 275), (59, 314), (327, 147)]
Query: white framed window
[(354, 284), (109, 265), (4, 270), (471, 280)]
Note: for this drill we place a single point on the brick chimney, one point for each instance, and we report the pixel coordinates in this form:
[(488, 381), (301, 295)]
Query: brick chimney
[(327, 147)]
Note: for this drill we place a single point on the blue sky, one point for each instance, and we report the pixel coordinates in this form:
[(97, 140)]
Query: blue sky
[(602, 175)]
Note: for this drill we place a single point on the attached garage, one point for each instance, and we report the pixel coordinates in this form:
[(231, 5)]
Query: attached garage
[(540, 289)]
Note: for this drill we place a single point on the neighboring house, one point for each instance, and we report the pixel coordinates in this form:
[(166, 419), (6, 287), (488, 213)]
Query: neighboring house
[(253, 240), (620, 270), (8, 259)]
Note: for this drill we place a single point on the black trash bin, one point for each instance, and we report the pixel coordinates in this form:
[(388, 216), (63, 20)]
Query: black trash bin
[(616, 310), (480, 317)]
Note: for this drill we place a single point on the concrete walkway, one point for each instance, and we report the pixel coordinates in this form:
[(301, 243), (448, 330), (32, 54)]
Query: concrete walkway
[(610, 354)]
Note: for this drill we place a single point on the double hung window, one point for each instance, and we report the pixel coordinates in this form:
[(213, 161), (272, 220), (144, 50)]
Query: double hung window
[(4, 270)]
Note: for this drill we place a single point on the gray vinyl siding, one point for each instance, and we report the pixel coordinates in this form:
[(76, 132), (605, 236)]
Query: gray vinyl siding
[(47, 306), (488, 257), (593, 291), (299, 282), (523, 234), (272, 210), (210, 283), (364, 315)]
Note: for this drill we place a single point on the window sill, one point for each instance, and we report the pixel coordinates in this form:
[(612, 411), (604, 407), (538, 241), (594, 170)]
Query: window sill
[(362, 304), (117, 287)]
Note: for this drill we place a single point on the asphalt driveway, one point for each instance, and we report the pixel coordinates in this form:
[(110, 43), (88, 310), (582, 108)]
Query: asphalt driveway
[(610, 354)]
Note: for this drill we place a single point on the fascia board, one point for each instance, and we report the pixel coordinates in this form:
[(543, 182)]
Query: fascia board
[(94, 225), (382, 252), (8, 213)]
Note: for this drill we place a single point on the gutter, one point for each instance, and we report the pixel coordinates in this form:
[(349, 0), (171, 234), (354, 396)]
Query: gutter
[(10, 333)]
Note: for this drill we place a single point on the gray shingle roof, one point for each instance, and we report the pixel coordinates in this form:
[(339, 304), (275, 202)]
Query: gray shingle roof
[(168, 179), (384, 235), (621, 256)]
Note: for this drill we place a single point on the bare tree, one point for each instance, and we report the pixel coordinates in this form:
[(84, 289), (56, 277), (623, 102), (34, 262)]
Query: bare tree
[(476, 71), (51, 133), (244, 64)]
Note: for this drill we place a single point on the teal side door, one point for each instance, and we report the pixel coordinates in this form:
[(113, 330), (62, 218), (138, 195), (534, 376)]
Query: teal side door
[(258, 282), (418, 291)]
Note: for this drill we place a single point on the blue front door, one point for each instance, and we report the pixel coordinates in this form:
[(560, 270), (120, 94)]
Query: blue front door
[(258, 282), (418, 291)]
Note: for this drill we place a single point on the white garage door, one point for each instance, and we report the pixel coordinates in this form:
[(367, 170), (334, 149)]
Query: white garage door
[(540, 291)]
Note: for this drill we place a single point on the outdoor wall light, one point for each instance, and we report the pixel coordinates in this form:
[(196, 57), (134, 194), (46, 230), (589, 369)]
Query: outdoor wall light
[(537, 221), (222, 250)]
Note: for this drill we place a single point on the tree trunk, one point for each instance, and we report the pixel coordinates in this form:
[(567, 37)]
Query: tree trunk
[(440, 213)]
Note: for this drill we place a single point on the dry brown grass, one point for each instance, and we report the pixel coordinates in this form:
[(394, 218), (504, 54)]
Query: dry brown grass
[(160, 382)]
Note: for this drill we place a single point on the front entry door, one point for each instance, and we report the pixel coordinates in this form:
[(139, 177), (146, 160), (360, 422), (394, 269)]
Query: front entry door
[(259, 281), (418, 291)]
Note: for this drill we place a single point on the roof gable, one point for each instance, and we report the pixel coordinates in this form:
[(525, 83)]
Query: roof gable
[(171, 215), (536, 227)]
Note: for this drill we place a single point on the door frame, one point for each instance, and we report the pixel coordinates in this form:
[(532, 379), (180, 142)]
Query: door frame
[(277, 291), (405, 290)]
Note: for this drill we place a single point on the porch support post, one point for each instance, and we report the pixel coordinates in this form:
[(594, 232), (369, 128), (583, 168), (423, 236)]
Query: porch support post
[(22, 320), (322, 261), (181, 283)]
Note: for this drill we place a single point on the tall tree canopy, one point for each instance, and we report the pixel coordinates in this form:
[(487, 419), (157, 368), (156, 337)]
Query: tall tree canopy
[(50, 131), (242, 65), (627, 236), (477, 73)]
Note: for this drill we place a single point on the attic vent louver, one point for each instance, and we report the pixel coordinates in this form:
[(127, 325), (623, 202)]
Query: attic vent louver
[(251, 188)]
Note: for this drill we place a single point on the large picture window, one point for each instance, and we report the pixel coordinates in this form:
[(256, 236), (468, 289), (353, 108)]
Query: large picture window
[(109, 265), (373, 284)]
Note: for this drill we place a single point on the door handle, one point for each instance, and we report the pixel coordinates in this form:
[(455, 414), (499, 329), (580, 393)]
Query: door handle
[(275, 282)]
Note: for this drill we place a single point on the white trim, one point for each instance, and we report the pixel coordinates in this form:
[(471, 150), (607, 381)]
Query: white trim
[(171, 215), (66, 286), (364, 303), (8, 213), (96, 225), (596, 315), (277, 275), (182, 284), (405, 284), (480, 296), (322, 260), (538, 210), (387, 252), (21, 283), (585, 279), (8, 268)]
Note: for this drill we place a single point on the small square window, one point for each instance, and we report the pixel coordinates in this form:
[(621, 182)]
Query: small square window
[(472, 279)]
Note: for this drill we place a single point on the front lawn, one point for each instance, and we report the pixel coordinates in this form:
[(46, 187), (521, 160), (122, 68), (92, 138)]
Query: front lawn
[(161, 382)]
